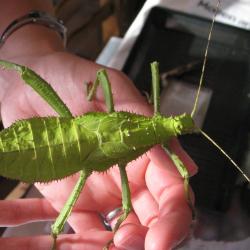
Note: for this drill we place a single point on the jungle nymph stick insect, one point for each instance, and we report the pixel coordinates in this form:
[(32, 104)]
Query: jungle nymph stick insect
[(92, 142), (88, 143)]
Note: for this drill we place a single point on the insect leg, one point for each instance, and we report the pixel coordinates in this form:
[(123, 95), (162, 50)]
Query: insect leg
[(126, 197), (184, 174), (58, 225), (155, 86), (102, 78), (126, 201), (43, 88)]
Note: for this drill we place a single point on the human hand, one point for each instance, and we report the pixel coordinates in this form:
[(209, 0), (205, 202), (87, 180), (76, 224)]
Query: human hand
[(156, 188)]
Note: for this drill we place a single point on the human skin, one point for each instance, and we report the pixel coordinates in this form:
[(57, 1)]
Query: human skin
[(161, 216)]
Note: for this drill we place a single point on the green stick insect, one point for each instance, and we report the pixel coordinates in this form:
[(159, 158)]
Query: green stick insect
[(93, 142)]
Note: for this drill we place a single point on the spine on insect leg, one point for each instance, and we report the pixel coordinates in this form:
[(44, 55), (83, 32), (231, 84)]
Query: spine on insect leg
[(43, 149)]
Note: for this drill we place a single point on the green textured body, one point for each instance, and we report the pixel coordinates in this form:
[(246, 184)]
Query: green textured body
[(46, 149)]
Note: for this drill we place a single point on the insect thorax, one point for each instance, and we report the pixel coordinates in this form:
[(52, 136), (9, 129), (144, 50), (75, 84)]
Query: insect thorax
[(124, 136), (184, 124)]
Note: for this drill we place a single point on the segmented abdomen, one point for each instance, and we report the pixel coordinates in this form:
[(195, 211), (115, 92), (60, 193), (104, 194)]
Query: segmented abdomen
[(44, 149)]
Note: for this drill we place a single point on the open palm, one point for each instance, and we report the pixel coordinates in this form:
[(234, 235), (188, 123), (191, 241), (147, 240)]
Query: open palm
[(160, 217)]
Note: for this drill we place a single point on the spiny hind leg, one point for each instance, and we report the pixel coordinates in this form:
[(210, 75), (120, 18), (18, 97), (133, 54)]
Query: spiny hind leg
[(42, 87), (102, 78), (185, 175), (126, 202)]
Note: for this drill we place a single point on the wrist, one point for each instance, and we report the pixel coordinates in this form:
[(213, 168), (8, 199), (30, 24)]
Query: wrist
[(32, 38)]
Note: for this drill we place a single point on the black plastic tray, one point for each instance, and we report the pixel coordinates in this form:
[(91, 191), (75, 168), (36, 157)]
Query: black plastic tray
[(175, 39)]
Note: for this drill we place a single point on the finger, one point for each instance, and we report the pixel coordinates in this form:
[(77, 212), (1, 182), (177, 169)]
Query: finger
[(169, 230), (174, 213), (84, 221), (95, 240), (158, 181), (86, 212), (173, 223), (100, 194), (16, 212), (90, 240), (131, 219), (131, 234), (145, 207)]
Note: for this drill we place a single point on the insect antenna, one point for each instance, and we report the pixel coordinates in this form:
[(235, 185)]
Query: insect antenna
[(198, 94), (205, 61), (224, 153)]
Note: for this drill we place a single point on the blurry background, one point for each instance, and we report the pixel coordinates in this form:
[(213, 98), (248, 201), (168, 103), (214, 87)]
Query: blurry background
[(91, 23)]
